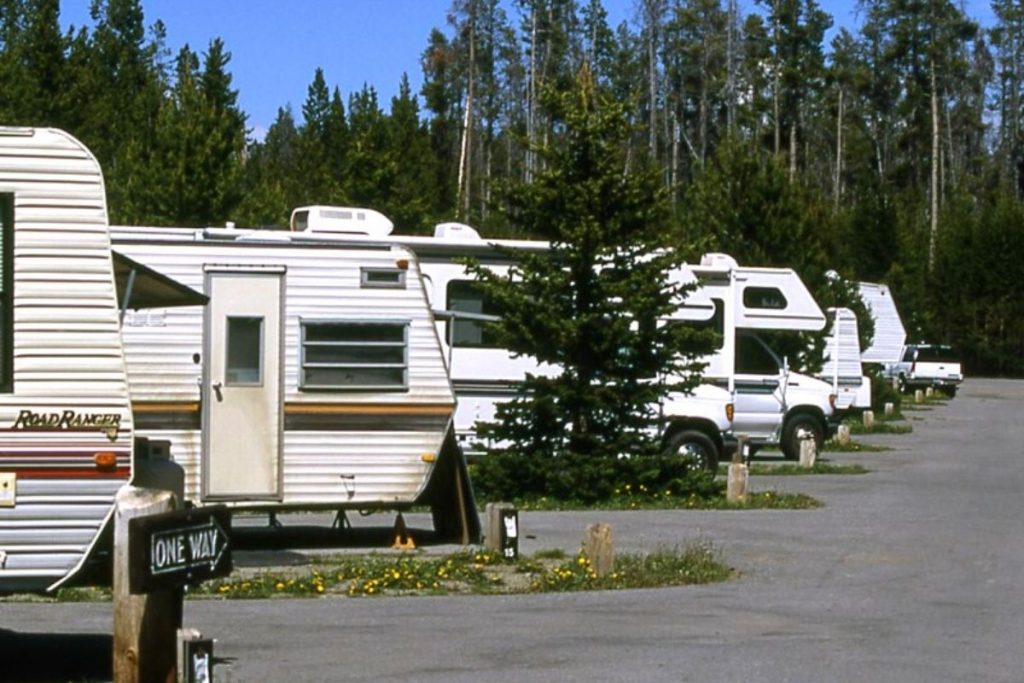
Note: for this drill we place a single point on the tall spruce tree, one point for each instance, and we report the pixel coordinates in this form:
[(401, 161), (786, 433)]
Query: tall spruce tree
[(589, 307)]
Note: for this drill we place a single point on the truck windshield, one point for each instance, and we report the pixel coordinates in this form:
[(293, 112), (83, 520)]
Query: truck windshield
[(753, 357)]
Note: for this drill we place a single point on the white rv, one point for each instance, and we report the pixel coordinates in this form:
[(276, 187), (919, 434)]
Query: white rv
[(842, 363), (484, 374), (67, 440), (314, 379), (890, 335), (773, 404)]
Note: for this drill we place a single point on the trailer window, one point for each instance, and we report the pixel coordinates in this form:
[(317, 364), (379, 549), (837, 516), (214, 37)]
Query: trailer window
[(6, 292), (244, 365), (382, 278), (467, 298), (770, 298), (354, 355)]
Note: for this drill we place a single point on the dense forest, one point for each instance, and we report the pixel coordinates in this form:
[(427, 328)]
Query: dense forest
[(893, 152)]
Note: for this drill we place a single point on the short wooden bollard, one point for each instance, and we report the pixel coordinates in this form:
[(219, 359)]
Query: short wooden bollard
[(918, 396), (890, 409), (929, 392), (145, 626), (808, 452), (736, 485), (597, 546), (868, 419), (502, 535), (842, 436)]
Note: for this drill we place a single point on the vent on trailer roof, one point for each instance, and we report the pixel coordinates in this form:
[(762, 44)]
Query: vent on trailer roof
[(341, 220)]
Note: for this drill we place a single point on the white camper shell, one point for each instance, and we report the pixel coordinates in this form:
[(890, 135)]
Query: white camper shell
[(773, 404), (842, 363), (890, 335), (484, 374), (314, 379), (67, 439)]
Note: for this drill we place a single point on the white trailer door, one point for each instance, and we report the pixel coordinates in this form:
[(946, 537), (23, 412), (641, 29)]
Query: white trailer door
[(242, 392)]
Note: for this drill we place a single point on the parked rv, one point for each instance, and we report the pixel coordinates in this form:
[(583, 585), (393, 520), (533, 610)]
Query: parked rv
[(842, 367), (697, 426), (890, 335), (68, 442), (314, 379), (773, 403)]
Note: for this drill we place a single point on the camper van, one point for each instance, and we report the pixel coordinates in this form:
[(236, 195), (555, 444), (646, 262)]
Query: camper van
[(68, 440), (697, 426), (313, 379), (773, 403)]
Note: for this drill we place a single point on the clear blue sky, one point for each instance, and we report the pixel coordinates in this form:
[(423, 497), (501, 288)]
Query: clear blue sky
[(276, 45)]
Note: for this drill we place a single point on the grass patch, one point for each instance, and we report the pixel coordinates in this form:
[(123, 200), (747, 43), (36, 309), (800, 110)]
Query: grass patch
[(641, 499), (479, 572), (769, 500), (793, 469), (834, 446), (882, 427)]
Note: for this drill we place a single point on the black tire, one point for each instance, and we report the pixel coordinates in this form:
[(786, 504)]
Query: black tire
[(949, 391), (794, 430), (696, 450), (901, 384)]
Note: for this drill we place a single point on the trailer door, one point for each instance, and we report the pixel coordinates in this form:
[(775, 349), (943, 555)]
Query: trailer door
[(242, 392)]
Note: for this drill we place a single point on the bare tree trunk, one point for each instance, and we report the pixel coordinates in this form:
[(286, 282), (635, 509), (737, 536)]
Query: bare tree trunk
[(730, 78), (934, 227), (792, 152), (652, 74), (465, 157), (531, 104), (775, 88), (837, 186)]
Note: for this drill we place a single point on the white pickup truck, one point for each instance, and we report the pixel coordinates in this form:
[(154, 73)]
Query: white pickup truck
[(926, 365)]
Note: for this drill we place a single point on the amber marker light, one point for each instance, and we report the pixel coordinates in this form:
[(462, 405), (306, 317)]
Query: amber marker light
[(428, 457), (832, 401), (105, 460), (730, 410), (402, 264)]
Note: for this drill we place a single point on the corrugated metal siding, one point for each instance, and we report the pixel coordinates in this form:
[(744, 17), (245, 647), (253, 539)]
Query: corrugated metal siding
[(322, 283), (67, 356)]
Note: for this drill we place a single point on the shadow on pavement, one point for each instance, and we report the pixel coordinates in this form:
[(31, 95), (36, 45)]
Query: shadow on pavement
[(57, 657), (300, 536)]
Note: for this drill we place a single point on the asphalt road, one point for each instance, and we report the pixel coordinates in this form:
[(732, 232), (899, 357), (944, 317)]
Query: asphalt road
[(910, 573)]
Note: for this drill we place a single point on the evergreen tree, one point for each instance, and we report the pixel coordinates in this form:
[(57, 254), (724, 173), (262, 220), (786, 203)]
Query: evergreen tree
[(590, 306)]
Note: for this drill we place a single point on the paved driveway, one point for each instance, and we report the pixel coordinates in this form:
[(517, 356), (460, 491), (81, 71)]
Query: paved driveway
[(910, 573)]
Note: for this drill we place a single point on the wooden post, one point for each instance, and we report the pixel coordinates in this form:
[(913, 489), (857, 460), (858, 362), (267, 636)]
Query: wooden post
[(597, 546), (145, 626), (843, 435), (918, 396), (890, 409), (929, 392), (808, 452), (736, 486), (502, 531), (869, 419)]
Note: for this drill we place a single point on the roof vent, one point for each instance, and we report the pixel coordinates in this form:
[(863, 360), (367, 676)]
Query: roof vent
[(341, 220), (455, 231)]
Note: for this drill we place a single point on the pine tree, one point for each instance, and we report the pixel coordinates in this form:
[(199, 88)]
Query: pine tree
[(588, 307)]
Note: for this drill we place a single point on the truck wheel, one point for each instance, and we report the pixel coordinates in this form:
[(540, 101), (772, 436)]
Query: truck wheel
[(949, 391), (797, 427), (695, 449)]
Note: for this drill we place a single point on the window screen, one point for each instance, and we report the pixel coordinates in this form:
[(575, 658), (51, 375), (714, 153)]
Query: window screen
[(244, 365), (355, 355), (466, 296), (6, 292)]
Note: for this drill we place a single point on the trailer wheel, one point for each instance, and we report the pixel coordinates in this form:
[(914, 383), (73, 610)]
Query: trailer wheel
[(949, 391), (695, 449), (797, 428)]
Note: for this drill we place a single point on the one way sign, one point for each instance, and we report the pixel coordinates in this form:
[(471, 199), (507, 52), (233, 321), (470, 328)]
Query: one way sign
[(177, 548)]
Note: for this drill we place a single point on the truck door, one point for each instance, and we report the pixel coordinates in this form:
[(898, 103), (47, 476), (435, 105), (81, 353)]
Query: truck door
[(242, 388), (758, 384)]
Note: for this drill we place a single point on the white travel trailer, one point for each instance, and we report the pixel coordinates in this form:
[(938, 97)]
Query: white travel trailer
[(67, 441), (485, 374), (314, 379), (890, 335), (842, 363), (773, 404)]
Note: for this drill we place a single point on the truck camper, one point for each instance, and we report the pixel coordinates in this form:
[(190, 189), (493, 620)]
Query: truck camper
[(842, 366), (314, 378), (67, 444), (696, 425), (773, 404), (890, 334)]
